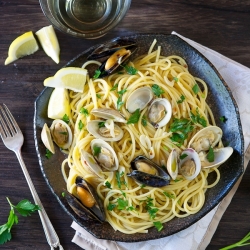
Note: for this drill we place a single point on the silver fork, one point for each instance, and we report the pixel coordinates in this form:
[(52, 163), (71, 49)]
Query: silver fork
[(13, 139)]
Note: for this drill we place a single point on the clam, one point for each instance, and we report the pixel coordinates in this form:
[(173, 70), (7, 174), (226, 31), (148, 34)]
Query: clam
[(160, 112), (139, 99), (172, 164), (105, 130), (47, 139), (108, 113), (148, 173), (208, 138), (61, 133), (104, 155), (190, 164), (87, 204), (90, 163)]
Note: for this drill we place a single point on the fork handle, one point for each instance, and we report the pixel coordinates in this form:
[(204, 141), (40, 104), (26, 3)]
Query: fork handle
[(48, 228)]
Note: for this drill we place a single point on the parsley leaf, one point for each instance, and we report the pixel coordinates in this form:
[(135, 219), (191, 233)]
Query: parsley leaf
[(98, 96), (80, 125), (157, 90), (121, 92), (196, 88), (223, 119), (65, 118), (158, 225), (84, 111), (144, 121), (114, 87), (119, 102), (97, 73), (134, 118), (111, 206), (97, 151), (176, 79), (198, 119), (48, 153), (183, 156), (210, 155), (108, 185), (131, 70), (171, 196), (101, 124), (182, 98), (25, 208), (122, 204), (118, 178)]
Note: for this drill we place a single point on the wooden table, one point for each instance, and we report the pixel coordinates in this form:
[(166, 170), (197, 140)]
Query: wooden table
[(221, 25)]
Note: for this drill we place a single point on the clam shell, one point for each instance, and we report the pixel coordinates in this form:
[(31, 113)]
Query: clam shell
[(139, 99), (93, 127), (47, 139), (191, 154), (107, 113), (102, 143), (172, 164), (168, 110)]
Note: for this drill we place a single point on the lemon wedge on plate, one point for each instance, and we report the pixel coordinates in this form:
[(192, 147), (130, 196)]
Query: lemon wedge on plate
[(72, 78), (58, 104), (23, 45), (48, 40)]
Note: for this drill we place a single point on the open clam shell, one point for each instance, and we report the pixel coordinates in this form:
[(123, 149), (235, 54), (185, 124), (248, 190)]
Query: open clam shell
[(139, 99), (190, 164), (47, 139), (107, 113), (160, 112), (172, 164), (148, 173), (104, 155), (103, 133)]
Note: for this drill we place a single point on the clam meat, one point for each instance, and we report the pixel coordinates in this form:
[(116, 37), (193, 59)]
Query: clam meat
[(86, 203), (160, 112), (148, 173)]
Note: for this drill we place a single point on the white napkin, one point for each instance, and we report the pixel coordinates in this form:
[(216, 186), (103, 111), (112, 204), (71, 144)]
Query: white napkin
[(197, 236)]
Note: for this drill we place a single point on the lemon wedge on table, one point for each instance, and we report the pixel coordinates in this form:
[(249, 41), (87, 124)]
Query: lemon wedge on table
[(72, 78), (23, 45), (48, 40), (58, 104)]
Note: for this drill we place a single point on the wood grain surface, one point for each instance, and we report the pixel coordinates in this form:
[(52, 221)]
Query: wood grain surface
[(221, 25)]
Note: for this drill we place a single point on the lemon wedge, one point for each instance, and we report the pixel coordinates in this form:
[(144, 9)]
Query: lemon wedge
[(58, 104), (48, 40), (23, 45), (72, 78)]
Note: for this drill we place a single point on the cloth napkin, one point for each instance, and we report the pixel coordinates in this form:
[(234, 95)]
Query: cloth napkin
[(197, 236)]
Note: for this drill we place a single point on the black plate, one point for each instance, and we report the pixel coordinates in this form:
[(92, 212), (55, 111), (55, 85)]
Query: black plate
[(222, 104)]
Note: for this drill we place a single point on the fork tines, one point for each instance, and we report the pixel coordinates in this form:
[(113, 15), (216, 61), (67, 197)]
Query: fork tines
[(8, 125)]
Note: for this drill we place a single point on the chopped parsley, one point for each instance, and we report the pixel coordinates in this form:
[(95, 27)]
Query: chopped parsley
[(134, 118), (111, 206), (114, 87), (144, 121), (210, 155), (198, 118), (97, 73), (65, 118), (196, 88), (176, 79), (130, 70), (80, 125), (171, 196), (108, 185), (121, 92), (118, 178), (122, 204), (182, 98), (84, 111), (183, 156), (48, 154), (150, 208), (131, 208), (223, 119), (98, 96), (158, 225), (101, 124), (157, 90), (97, 151), (63, 133)]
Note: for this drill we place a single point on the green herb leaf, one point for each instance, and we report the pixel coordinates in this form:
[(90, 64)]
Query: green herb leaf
[(118, 178), (144, 121), (48, 154), (84, 111), (5, 234), (101, 124), (131, 208), (63, 133), (131, 70), (182, 98), (183, 156), (119, 102), (210, 155), (114, 87), (121, 92), (122, 204), (134, 118), (80, 125), (242, 242), (97, 151), (108, 185), (158, 225), (98, 96), (142, 186), (196, 88), (157, 90), (176, 180), (25, 208), (65, 118), (223, 119), (152, 212), (63, 194), (97, 73), (171, 196), (198, 119), (176, 79), (111, 206)]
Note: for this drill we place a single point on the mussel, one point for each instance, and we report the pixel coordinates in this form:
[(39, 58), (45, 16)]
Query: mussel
[(148, 173), (87, 205)]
